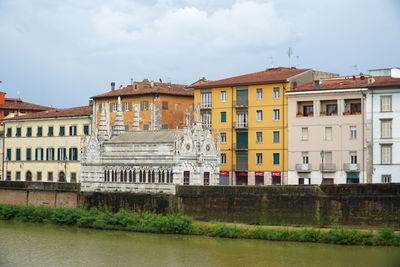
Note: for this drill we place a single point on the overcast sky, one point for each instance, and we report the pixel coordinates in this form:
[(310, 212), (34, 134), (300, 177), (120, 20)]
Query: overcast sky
[(59, 53)]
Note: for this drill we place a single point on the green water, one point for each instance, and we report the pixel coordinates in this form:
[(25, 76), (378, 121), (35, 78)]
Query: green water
[(26, 244)]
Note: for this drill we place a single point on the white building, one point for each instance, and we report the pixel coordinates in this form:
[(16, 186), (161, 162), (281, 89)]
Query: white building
[(383, 115), (148, 161)]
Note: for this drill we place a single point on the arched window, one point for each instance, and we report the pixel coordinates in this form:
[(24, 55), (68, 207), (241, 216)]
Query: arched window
[(121, 178), (28, 176), (130, 176), (105, 176), (153, 177), (140, 176), (144, 177), (134, 176), (163, 177), (61, 176), (159, 176), (171, 177)]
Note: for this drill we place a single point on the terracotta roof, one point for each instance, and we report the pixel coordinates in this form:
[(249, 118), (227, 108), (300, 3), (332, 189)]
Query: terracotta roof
[(56, 113), (144, 88), (18, 104), (349, 82), (265, 76)]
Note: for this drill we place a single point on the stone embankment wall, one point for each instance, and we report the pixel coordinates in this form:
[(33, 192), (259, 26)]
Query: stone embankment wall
[(39, 193), (325, 205)]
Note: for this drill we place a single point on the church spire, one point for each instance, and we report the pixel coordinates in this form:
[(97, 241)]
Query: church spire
[(103, 133), (119, 126)]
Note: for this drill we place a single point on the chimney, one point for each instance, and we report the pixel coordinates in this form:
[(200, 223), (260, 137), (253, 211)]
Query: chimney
[(112, 86)]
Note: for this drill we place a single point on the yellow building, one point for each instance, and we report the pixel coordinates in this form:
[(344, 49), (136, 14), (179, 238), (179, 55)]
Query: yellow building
[(46, 146), (250, 114), (146, 105)]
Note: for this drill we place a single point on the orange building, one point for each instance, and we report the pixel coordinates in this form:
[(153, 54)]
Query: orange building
[(147, 105), (17, 107)]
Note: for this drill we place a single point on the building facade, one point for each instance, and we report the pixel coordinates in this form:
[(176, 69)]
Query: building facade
[(149, 161), (327, 132), (46, 146), (383, 116), (249, 112), (146, 105)]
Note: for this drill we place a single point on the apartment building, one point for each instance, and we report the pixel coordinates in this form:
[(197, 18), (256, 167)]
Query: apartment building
[(46, 146), (146, 105), (383, 116), (249, 113), (327, 131)]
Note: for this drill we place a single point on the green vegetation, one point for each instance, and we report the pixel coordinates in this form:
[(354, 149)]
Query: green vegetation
[(180, 224)]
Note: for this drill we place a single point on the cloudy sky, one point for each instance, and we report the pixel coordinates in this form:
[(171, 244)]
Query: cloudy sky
[(60, 53)]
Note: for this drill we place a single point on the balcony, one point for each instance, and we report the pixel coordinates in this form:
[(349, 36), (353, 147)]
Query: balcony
[(240, 104), (350, 167), (205, 105), (240, 147), (327, 167), (241, 125), (303, 167)]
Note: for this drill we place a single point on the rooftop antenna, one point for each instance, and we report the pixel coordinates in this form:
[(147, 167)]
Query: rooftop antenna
[(290, 53), (271, 59), (355, 68), (18, 94)]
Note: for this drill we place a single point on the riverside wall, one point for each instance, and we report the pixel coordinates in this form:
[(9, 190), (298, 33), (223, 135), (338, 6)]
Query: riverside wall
[(316, 205)]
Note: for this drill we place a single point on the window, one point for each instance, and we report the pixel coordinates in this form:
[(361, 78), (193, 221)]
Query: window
[(145, 127), (39, 154), (144, 105), (62, 153), (206, 119), (276, 116), (275, 158), (259, 93), (259, 137), (304, 157), (223, 116), (164, 126), (259, 158), (223, 138), (18, 154), (223, 96), (186, 177), (353, 132), (353, 157), (165, 105), (386, 178), (8, 177), (276, 91), (206, 178), (50, 176), (275, 135), (127, 106), (38, 176), (73, 153), (114, 107), (50, 154), (17, 175), (308, 111), (19, 132), (73, 177), (304, 181), (241, 97), (50, 131), (386, 103), (386, 154), (28, 176), (40, 131), (331, 109), (73, 130), (328, 133), (259, 115), (304, 133), (86, 129), (355, 108), (9, 132), (386, 128), (8, 154), (28, 154), (29, 131), (62, 131), (206, 100), (223, 158)]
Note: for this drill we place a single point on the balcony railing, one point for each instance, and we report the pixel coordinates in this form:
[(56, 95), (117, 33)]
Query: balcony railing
[(327, 167), (241, 124), (351, 166), (205, 105), (206, 125), (240, 146), (303, 167)]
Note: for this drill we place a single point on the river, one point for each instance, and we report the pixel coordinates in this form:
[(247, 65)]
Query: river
[(27, 244)]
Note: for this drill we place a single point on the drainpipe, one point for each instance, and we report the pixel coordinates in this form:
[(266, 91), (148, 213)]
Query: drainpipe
[(372, 134), (283, 132), (4, 151), (363, 135), (232, 133)]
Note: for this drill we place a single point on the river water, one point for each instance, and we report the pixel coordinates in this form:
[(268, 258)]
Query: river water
[(27, 244)]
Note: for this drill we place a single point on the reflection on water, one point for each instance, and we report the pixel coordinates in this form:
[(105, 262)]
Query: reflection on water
[(25, 244)]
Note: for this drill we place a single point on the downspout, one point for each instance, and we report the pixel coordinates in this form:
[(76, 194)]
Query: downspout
[(363, 136), (4, 151), (372, 134), (283, 132), (232, 133)]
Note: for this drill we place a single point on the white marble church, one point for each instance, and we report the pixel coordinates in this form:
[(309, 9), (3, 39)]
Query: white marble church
[(148, 161)]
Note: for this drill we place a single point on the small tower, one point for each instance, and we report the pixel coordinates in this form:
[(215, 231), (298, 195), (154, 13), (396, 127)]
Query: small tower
[(119, 126), (102, 131)]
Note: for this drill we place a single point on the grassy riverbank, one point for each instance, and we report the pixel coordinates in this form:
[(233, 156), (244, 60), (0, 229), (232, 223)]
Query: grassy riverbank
[(180, 224)]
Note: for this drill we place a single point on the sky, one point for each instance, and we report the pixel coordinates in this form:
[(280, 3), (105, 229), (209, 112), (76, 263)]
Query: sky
[(59, 53)]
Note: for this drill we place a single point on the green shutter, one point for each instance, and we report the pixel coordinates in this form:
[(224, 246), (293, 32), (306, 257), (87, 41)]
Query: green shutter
[(29, 131), (276, 158), (8, 153), (39, 131), (28, 154), (223, 116), (62, 131), (86, 129), (18, 132), (9, 132), (353, 175), (241, 97), (242, 140), (18, 154)]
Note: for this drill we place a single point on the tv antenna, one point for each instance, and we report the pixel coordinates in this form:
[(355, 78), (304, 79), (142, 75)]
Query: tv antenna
[(271, 59), (355, 68)]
